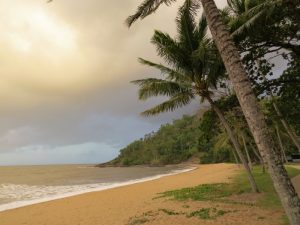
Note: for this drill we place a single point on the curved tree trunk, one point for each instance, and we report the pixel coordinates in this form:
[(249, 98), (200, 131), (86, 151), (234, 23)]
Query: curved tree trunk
[(247, 152), (259, 157), (235, 158), (235, 144), (286, 126), (284, 159), (254, 116)]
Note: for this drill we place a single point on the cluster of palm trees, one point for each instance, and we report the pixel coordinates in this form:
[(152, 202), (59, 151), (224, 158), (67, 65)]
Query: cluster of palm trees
[(197, 66)]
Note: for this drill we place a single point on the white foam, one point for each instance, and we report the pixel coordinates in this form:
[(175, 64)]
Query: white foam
[(25, 195)]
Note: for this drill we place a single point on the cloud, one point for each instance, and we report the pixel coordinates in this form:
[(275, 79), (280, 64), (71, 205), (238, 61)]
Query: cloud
[(65, 72)]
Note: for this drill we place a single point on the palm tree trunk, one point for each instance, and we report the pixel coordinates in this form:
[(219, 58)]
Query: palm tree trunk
[(259, 157), (235, 158), (254, 116), (235, 144), (284, 159), (247, 152), (286, 126)]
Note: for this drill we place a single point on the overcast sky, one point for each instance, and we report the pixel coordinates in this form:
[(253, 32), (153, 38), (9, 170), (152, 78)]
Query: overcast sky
[(65, 71)]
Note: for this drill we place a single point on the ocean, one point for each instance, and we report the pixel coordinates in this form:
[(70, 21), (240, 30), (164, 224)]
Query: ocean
[(26, 185)]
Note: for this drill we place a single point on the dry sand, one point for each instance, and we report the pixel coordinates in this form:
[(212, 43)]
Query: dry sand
[(136, 204)]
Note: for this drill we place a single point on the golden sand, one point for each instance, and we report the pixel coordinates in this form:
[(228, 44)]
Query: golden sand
[(136, 204)]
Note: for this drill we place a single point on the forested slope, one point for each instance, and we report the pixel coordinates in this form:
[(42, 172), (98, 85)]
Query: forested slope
[(200, 137)]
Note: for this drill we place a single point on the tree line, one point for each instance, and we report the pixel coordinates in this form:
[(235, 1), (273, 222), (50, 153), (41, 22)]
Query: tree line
[(202, 139)]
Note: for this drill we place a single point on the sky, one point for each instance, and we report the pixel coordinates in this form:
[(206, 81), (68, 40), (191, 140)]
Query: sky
[(65, 70)]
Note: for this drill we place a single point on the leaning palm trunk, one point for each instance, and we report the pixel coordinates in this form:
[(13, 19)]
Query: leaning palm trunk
[(286, 126), (252, 112), (259, 158), (235, 144), (235, 158), (247, 152), (284, 159)]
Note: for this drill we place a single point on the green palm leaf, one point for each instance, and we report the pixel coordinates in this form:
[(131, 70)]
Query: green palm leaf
[(152, 87), (194, 65), (249, 13), (176, 101), (145, 9), (171, 73), (186, 25), (201, 30), (170, 50)]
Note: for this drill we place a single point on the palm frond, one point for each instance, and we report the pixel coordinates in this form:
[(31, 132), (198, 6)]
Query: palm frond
[(171, 74), (186, 25), (222, 140), (151, 87), (203, 50), (201, 30), (176, 101), (237, 6), (189, 57), (251, 13), (246, 26), (146, 8), (215, 69), (171, 51)]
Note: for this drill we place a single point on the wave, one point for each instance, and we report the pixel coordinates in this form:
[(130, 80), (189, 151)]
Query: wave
[(24, 195)]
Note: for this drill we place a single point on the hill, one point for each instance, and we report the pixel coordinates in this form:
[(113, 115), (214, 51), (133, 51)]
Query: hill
[(202, 138), (179, 141)]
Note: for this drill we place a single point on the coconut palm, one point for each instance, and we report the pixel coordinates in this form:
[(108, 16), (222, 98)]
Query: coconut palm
[(249, 104), (247, 16), (236, 119), (195, 69)]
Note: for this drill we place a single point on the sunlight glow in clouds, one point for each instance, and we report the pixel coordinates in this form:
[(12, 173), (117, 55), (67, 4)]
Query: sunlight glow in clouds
[(32, 27), (40, 56), (65, 70)]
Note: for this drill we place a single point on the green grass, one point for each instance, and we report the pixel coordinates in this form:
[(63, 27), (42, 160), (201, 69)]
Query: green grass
[(207, 213), (204, 192), (270, 199), (203, 213), (169, 212), (239, 185)]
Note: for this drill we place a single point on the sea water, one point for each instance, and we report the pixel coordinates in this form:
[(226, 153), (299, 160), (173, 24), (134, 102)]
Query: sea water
[(26, 185)]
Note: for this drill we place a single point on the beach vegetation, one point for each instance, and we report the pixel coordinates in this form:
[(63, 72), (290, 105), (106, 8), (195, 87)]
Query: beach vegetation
[(221, 192), (204, 192), (207, 213), (201, 138), (170, 212)]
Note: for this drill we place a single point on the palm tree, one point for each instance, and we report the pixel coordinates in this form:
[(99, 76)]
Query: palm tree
[(247, 99), (196, 70), (247, 14), (284, 159), (236, 119), (245, 17)]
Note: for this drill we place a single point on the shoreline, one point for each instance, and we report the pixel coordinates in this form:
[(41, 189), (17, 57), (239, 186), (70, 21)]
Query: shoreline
[(118, 206), (102, 187)]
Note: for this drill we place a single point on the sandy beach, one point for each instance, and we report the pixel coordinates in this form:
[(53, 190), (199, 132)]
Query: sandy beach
[(136, 204)]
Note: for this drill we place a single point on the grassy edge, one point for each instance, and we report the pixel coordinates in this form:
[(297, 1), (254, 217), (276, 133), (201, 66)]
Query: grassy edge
[(239, 185)]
